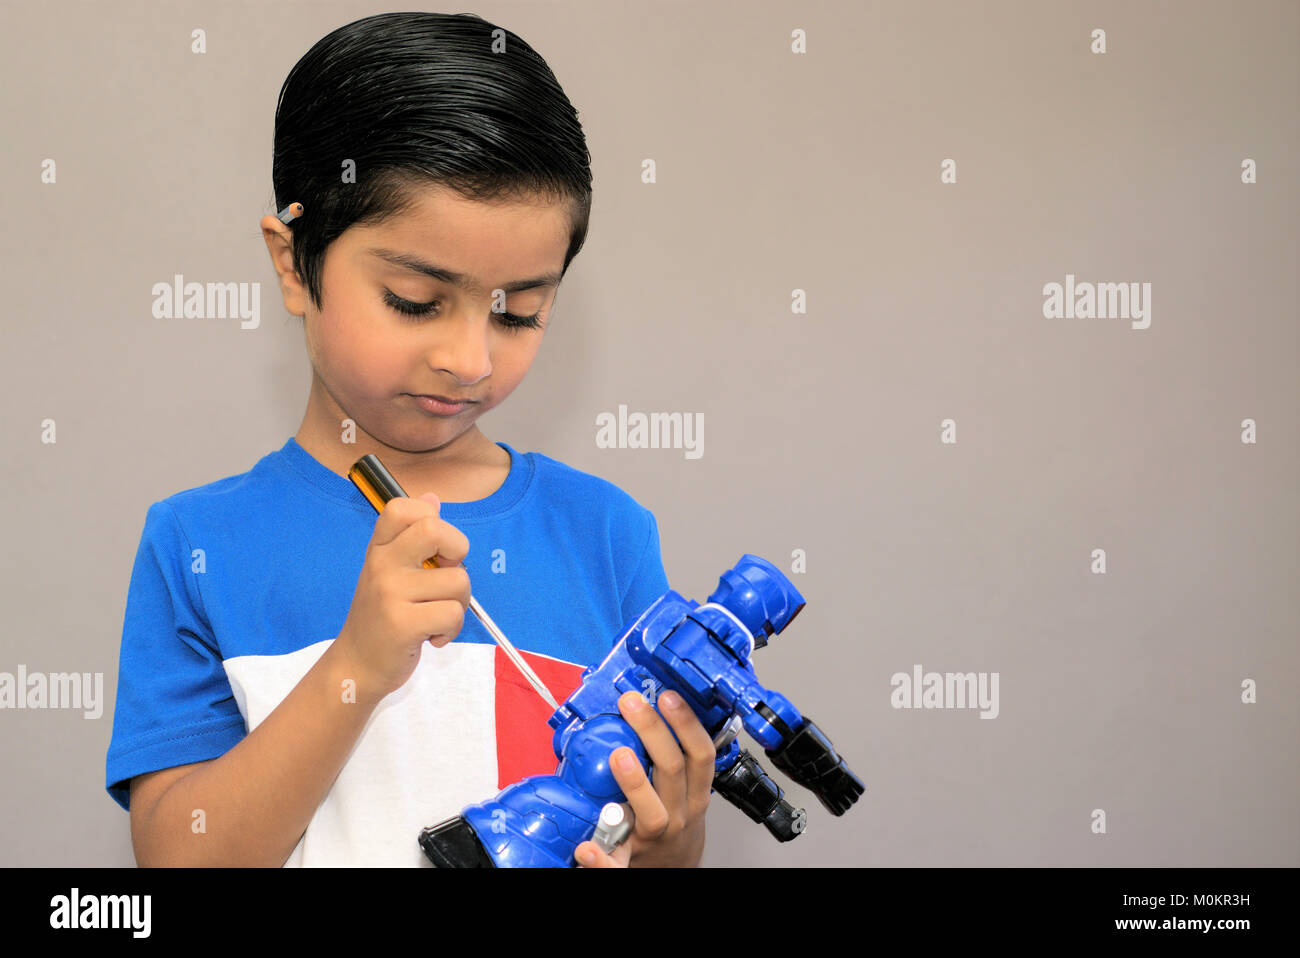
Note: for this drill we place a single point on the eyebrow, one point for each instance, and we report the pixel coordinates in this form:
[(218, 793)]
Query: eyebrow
[(459, 280)]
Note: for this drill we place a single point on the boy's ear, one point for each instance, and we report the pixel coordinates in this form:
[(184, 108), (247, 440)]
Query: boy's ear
[(279, 243)]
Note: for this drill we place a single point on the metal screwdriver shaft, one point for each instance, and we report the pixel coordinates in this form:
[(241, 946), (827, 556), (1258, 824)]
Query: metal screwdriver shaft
[(513, 653), (378, 486)]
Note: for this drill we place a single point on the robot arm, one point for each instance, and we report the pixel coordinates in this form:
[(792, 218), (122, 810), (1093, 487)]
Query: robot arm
[(698, 656), (741, 781), (808, 757), (798, 747)]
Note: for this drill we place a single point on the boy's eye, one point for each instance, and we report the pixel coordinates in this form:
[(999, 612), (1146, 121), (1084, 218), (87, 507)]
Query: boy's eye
[(508, 320)]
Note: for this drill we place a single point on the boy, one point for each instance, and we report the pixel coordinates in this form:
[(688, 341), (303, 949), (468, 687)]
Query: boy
[(260, 718)]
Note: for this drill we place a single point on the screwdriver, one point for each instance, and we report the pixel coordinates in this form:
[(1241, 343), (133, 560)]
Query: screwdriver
[(378, 486)]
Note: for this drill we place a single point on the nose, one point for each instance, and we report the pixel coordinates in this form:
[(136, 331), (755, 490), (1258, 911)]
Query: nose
[(461, 348)]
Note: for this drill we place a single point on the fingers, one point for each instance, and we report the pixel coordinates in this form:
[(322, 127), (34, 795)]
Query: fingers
[(429, 537), (440, 621), (396, 515), (414, 532), (589, 855), (683, 774), (670, 811), (696, 743), (652, 815), (430, 585), (667, 798)]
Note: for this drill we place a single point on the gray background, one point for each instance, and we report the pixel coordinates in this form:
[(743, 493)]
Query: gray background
[(776, 172)]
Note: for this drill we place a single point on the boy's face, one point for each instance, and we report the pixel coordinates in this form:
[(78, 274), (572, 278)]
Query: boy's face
[(373, 360)]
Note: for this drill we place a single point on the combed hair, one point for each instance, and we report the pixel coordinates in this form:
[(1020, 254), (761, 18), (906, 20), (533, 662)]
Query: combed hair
[(418, 99)]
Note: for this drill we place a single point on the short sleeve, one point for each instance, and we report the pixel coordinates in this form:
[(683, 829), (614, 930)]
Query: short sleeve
[(649, 581), (174, 703)]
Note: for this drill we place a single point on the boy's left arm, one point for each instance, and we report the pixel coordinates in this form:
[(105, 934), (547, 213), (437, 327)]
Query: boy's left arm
[(670, 814)]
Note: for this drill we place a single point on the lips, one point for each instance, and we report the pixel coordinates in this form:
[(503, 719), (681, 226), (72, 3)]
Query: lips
[(447, 399), (440, 406)]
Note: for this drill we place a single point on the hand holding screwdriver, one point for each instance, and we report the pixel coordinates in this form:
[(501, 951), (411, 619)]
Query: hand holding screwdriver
[(380, 488), (399, 604)]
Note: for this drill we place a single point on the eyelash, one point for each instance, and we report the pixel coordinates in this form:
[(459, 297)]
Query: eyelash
[(508, 320)]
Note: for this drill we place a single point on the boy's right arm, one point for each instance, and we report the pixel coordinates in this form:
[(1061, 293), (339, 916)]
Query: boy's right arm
[(258, 798)]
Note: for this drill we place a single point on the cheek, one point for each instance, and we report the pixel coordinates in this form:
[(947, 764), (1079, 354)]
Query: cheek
[(519, 355), (351, 357), (511, 362)]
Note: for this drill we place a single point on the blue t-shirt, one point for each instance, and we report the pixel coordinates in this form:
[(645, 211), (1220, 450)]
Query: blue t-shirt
[(240, 585)]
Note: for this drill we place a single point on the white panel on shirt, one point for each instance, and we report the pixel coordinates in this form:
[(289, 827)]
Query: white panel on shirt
[(428, 750)]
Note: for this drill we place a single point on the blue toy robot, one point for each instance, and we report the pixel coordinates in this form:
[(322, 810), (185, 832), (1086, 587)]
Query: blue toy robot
[(702, 652)]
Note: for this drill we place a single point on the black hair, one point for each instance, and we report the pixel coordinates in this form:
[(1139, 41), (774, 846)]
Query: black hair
[(418, 99)]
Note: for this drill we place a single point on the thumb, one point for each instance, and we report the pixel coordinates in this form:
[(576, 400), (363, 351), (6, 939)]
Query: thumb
[(589, 855)]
